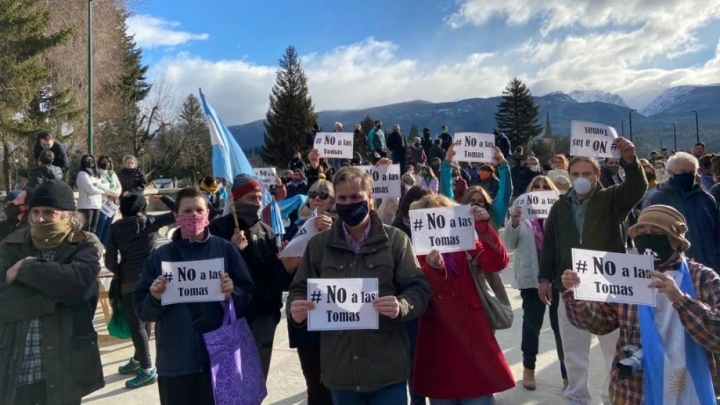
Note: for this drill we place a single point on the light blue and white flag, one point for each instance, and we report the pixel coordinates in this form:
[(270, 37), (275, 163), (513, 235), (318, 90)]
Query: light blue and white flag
[(228, 161)]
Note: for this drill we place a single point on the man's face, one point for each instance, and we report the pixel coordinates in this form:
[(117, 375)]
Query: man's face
[(288, 174), (533, 162), (583, 169), (653, 155), (699, 150), (252, 198), (612, 162), (683, 166), (130, 163), (664, 153), (47, 143), (47, 215), (350, 192)]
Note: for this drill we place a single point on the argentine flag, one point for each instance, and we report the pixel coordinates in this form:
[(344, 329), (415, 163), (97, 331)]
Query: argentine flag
[(228, 161)]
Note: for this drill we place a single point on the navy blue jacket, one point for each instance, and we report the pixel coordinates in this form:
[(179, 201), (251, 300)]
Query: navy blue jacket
[(180, 348)]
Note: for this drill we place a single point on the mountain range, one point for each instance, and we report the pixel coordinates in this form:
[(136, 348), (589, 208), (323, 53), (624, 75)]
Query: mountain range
[(652, 125)]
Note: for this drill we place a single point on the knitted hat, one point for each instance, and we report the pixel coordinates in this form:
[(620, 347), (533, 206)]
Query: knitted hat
[(54, 194), (12, 195), (132, 204), (668, 219), (243, 184)]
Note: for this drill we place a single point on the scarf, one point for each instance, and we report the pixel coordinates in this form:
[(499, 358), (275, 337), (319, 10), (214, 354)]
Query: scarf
[(539, 230), (49, 236), (654, 355), (211, 190)]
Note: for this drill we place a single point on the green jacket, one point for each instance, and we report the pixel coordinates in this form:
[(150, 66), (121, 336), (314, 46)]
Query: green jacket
[(603, 227), (366, 360)]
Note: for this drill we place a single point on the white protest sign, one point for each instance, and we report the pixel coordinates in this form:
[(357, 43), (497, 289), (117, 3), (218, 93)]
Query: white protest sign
[(109, 209), (335, 145), (592, 140), (613, 277), (537, 204), (386, 180), (342, 303), (194, 281), (266, 175), (474, 147), (296, 246), (445, 229)]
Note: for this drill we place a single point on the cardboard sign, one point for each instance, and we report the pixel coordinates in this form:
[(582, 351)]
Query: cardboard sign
[(613, 277), (194, 281), (474, 147), (386, 180), (109, 209), (445, 229), (334, 145), (297, 245), (591, 139), (537, 204), (342, 303), (266, 175)]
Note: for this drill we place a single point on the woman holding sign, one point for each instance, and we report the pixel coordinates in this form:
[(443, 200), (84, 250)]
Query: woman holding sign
[(525, 238), (497, 206), (458, 360), (182, 360)]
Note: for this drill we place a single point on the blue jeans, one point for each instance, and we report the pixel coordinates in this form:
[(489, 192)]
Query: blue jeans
[(486, 400), (103, 228), (391, 395)]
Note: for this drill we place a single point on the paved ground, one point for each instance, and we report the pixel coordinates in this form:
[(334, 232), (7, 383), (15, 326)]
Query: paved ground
[(286, 383)]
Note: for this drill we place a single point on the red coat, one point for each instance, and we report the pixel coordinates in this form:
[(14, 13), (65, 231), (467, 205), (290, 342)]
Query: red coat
[(457, 355)]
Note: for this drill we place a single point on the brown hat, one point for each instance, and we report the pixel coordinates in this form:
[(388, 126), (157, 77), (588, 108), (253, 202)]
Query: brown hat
[(667, 218)]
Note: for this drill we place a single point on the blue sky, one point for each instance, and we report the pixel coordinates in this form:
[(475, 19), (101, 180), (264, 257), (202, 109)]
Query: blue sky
[(359, 54)]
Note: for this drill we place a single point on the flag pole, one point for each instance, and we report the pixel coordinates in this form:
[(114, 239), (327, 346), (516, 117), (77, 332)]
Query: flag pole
[(234, 215)]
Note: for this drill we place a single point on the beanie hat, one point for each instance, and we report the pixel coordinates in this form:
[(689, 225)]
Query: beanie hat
[(54, 194), (667, 218), (243, 184), (132, 204), (12, 195)]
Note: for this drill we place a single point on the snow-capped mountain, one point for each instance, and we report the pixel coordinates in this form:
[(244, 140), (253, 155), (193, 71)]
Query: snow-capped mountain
[(666, 100), (589, 96)]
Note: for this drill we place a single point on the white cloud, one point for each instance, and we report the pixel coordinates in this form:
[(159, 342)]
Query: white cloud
[(151, 32)]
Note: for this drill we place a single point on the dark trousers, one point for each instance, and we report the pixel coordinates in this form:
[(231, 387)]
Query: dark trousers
[(533, 316), (103, 228), (412, 329), (263, 330), (34, 394), (139, 331), (91, 219), (192, 389), (400, 158), (317, 393)]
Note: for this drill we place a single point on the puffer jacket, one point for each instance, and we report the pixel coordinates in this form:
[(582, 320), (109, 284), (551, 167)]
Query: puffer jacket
[(366, 360), (132, 180), (39, 174), (526, 262), (90, 190)]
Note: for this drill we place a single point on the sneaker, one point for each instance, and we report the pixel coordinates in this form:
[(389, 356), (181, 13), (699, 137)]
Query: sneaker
[(143, 378), (131, 367)]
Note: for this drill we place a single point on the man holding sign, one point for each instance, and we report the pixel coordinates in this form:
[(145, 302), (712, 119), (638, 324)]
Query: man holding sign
[(663, 354), (357, 364), (587, 217)]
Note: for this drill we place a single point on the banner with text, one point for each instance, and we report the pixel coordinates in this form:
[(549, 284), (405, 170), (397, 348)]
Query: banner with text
[(537, 204), (335, 145), (266, 175), (613, 277), (386, 180), (109, 209), (193, 281), (474, 147), (342, 303), (445, 229), (297, 245), (591, 139)]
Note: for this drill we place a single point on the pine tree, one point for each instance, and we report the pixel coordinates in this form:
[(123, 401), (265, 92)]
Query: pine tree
[(517, 114), (134, 86), (367, 124), (414, 133), (291, 113)]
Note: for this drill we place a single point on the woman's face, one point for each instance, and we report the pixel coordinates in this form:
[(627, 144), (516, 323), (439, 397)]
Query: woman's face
[(478, 199), (320, 200), (558, 164), (540, 185)]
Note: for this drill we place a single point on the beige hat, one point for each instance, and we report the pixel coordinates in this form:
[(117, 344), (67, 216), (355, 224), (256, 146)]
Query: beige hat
[(562, 183), (667, 218)]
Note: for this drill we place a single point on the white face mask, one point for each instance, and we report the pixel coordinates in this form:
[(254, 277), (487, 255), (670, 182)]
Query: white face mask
[(535, 168), (582, 186)]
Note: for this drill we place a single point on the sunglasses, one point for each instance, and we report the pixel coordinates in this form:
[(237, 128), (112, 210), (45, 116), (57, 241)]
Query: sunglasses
[(315, 194), (543, 187)]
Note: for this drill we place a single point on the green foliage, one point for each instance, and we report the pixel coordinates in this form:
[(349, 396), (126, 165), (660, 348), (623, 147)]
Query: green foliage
[(291, 113), (134, 87), (517, 114), (414, 132)]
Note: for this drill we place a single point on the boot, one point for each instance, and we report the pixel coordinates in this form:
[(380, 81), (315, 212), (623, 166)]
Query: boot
[(529, 379)]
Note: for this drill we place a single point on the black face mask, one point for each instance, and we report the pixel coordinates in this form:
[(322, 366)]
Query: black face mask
[(657, 246), (684, 181), (104, 165), (650, 176), (352, 214), (12, 211), (248, 213)]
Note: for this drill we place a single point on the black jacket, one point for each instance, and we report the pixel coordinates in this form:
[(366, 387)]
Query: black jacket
[(39, 174), (607, 178), (503, 143), (297, 165), (436, 152), (63, 295), (491, 185), (446, 140), (396, 142), (11, 225), (523, 179), (61, 159), (132, 180), (134, 238)]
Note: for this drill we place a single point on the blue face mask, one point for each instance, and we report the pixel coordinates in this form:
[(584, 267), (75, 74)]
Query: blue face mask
[(352, 214)]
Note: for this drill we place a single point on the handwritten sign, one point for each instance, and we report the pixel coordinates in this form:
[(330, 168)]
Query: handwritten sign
[(194, 281), (335, 145), (593, 140), (109, 209), (296, 246), (474, 147), (386, 180), (342, 303), (445, 229), (537, 204), (613, 277), (266, 175)]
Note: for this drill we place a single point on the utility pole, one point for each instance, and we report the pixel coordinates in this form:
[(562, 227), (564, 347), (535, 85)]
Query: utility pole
[(90, 82)]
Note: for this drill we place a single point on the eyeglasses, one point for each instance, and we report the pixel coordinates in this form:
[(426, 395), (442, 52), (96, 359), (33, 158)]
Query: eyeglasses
[(536, 187), (315, 194)]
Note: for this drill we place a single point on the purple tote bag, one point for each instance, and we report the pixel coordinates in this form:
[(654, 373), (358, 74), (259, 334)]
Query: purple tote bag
[(237, 375)]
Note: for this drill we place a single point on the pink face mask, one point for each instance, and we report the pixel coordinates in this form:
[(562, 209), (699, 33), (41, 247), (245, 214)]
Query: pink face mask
[(192, 224)]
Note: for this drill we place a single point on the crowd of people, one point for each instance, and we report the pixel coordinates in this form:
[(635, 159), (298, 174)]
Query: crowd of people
[(434, 340)]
